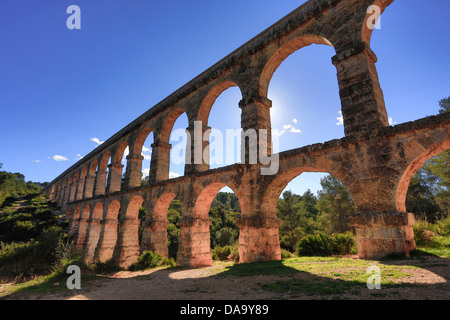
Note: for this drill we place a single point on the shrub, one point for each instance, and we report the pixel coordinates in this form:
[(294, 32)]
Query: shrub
[(285, 254), (226, 252), (105, 267), (314, 245), (150, 259), (323, 245), (221, 253), (344, 243)]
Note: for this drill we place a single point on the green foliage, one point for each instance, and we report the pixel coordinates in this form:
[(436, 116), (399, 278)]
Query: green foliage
[(335, 204), (428, 194), (323, 245), (226, 252), (173, 230), (13, 185), (285, 254), (150, 259), (296, 220), (223, 228), (31, 239), (31, 258), (26, 223), (427, 234), (225, 237)]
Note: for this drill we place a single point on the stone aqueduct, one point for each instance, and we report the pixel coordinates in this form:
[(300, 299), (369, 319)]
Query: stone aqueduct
[(374, 161)]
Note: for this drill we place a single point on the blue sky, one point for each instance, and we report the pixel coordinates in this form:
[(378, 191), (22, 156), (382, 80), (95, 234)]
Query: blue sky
[(64, 91)]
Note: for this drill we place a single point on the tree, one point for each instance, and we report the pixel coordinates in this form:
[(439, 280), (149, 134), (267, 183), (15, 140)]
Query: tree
[(296, 221), (444, 105), (334, 204)]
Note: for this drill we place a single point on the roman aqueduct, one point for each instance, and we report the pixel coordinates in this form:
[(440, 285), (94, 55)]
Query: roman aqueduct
[(374, 161)]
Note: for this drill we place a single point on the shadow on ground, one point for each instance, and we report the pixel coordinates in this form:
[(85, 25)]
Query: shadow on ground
[(274, 280)]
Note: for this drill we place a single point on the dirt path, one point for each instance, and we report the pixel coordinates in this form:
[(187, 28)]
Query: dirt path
[(429, 281)]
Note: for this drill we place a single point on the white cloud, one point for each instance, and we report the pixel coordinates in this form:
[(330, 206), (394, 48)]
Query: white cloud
[(392, 122), (37, 161), (147, 157), (295, 120), (145, 172), (144, 149), (97, 140), (291, 128), (59, 158), (78, 157), (173, 175), (126, 152), (278, 133), (340, 119)]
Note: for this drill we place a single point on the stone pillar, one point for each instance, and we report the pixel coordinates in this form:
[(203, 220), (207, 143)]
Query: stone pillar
[(383, 233), (73, 226), (60, 196), (114, 178), (361, 96), (107, 240), (255, 115), (133, 174), (127, 249), (259, 239), (195, 244), (72, 192), (80, 189), (100, 182), (65, 198), (81, 234), (88, 187), (197, 151), (92, 238), (160, 162), (154, 237)]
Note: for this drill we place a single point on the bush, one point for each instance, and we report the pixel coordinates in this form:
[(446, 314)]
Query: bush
[(150, 259), (106, 267), (344, 243), (221, 253), (226, 252), (285, 254), (323, 245), (427, 234)]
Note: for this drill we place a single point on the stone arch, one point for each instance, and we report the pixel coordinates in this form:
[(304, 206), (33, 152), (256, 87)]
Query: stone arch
[(162, 205), (281, 54), (93, 167), (413, 167), (210, 98), (169, 121), (274, 189), (140, 140), (204, 200), (155, 235), (118, 154), (104, 160), (366, 32)]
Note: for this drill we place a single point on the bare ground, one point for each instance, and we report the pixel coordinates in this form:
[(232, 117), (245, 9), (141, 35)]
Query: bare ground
[(430, 280)]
